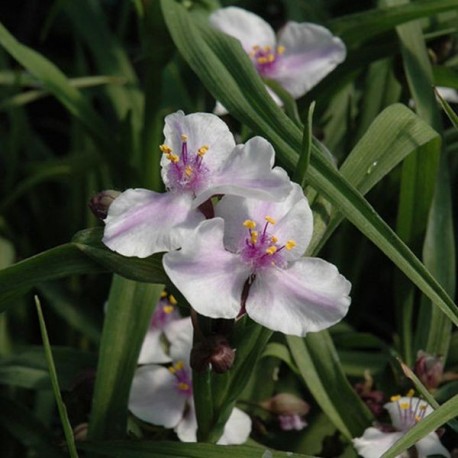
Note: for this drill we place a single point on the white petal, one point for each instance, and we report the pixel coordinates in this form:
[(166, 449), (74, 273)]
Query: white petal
[(179, 333), (308, 296), (187, 428), (154, 397), (431, 445), (152, 350), (207, 275), (201, 129), (374, 443), (248, 172), (402, 419), (294, 220), (237, 429), (311, 53), (249, 29), (142, 222)]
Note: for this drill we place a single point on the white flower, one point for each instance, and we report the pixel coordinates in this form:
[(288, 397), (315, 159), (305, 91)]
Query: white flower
[(200, 159), (248, 259), (405, 412)]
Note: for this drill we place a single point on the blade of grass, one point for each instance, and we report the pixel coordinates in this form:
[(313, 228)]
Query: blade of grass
[(306, 151), (68, 432)]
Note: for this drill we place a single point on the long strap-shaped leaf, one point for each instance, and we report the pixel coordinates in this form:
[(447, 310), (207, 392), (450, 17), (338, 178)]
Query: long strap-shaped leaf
[(227, 72)]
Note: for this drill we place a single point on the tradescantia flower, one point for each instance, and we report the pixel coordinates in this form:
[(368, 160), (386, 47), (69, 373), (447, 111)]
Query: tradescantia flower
[(163, 395), (299, 58), (164, 314), (405, 412), (200, 159), (249, 259)]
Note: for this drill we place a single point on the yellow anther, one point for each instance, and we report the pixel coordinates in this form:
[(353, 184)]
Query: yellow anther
[(270, 58), (267, 48), (182, 386), (179, 365), (270, 220), (404, 405), (163, 294), (172, 369), (249, 224), (290, 244), (274, 239), (280, 49), (188, 170), (410, 393), (262, 60), (254, 236), (172, 299), (165, 149), (256, 48), (395, 398), (168, 309), (271, 250), (202, 150), (184, 138), (172, 157)]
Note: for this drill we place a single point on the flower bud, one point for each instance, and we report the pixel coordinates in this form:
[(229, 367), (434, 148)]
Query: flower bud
[(100, 203), (374, 399), (215, 352), (429, 369), (286, 404)]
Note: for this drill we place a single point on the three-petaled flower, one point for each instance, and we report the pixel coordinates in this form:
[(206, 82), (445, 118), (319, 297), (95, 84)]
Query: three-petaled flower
[(200, 159), (301, 56), (163, 395), (405, 413), (249, 259)]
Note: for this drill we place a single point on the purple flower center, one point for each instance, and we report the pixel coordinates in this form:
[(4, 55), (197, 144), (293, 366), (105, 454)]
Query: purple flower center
[(265, 58), (183, 381), (188, 171), (165, 312), (261, 249), (410, 411)]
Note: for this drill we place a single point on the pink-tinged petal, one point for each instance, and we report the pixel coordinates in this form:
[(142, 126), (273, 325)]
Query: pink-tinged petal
[(311, 53), (152, 350), (308, 296), (154, 397), (201, 129), (431, 445), (179, 334), (294, 220), (374, 443), (248, 172), (187, 428), (249, 29), (237, 429), (208, 276), (142, 222)]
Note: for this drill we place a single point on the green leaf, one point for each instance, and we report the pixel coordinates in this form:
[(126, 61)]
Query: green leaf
[(68, 432), (319, 366), (145, 449), (233, 81), (129, 309), (430, 423), (447, 109)]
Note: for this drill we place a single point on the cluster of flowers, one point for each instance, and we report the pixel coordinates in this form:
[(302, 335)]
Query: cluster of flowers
[(245, 249), (161, 391)]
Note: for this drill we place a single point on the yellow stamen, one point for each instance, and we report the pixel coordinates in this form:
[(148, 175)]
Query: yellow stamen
[(270, 58), (183, 386), (249, 224), (179, 365), (395, 398), (163, 294), (290, 244), (188, 170), (404, 405), (172, 299), (271, 250), (422, 407), (254, 236), (172, 157), (267, 48), (256, 48), (280, 49), (410, 393), (184, 138), (168, 309), (262, 60), (202, 150), (274, 239), (270, 220), (165, 149)]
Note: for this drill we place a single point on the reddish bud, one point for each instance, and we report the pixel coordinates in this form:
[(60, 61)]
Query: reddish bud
[(101, 202), (215, 352), (429, 369)]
